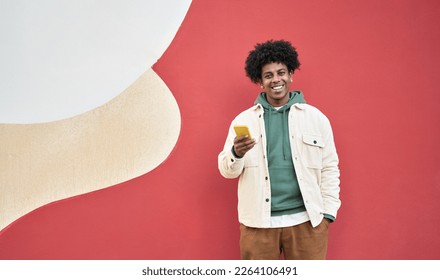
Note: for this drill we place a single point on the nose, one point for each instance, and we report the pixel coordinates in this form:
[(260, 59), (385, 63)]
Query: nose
[(276, 78)]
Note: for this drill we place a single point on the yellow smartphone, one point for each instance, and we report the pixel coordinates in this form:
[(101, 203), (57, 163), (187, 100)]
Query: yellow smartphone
[(242, 130)]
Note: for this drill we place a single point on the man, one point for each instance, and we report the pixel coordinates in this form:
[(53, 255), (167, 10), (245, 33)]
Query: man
[(288, 187)]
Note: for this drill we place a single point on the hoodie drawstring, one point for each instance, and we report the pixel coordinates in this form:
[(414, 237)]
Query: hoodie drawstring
[(283, 130)]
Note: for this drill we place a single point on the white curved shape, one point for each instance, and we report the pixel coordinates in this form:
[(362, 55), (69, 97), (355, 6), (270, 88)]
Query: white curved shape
[(123, 139), (61, 58)]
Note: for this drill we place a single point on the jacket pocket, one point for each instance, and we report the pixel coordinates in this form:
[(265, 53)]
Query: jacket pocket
[(312, 150)]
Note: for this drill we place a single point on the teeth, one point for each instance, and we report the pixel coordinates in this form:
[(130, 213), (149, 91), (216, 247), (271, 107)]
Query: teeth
[(277, 87)]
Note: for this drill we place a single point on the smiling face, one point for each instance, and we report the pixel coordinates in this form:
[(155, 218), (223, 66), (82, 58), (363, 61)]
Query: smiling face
[(276, 79)]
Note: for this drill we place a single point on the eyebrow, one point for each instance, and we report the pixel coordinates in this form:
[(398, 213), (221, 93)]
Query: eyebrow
[(277, 70)]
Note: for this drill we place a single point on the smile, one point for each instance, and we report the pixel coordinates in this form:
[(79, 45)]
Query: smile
[(278, 87)]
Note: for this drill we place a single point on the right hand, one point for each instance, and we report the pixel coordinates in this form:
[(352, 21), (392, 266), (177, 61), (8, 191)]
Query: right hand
[(242, 144)]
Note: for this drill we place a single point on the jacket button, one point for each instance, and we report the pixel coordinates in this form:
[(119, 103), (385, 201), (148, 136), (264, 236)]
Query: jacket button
[(267, 199), (314, 142), (266, 178), (232, 159)]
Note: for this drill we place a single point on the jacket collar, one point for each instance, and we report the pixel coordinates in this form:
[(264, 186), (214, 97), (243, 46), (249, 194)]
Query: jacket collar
[(301, 106), (258, 106)]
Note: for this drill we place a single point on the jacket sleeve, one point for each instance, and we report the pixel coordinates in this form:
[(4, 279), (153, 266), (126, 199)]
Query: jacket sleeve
[(229, 165), (330, 173)]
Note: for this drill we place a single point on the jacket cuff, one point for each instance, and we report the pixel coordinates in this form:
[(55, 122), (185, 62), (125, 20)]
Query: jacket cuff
[(330, 217)]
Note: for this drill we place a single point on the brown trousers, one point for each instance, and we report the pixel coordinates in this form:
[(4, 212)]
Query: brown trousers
[(300, 242)]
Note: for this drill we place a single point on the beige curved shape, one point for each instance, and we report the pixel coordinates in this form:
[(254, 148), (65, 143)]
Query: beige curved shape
[(123, 139)]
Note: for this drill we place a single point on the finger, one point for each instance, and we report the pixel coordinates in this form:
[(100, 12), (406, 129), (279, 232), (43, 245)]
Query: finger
[(239, 139), (244, 147)]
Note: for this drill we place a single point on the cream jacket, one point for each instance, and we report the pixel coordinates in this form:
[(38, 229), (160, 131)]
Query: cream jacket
[(314, 157)]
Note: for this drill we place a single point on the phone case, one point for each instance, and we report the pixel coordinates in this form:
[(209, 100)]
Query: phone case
[(242, 130)]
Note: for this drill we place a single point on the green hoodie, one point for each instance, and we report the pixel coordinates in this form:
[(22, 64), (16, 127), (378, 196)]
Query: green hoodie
[(286, 195)]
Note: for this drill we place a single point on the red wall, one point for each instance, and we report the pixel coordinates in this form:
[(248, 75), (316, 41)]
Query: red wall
[(371, 66)]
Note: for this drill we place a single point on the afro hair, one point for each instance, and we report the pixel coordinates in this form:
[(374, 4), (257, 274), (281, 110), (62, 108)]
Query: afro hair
[(269, 52)]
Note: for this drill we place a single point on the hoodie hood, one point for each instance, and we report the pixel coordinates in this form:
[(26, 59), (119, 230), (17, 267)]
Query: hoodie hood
[(295, 97)]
